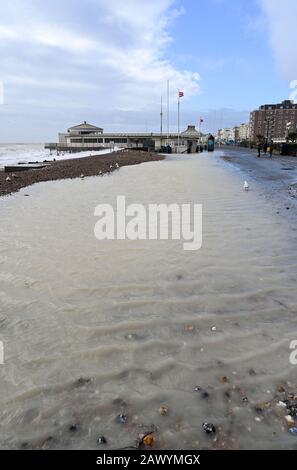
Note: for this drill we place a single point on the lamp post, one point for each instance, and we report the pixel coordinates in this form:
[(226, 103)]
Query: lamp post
[(267, 121)]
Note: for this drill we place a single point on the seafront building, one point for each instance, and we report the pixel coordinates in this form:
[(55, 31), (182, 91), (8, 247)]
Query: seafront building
[(88, 137), (271, 121), (233, 135), (244, 133)]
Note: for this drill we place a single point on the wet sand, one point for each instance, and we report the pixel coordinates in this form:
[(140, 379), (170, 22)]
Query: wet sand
[(74, 168), (120, 338)]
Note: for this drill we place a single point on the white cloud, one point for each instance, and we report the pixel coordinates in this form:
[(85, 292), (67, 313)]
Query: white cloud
[(113, 53), (281, 18)]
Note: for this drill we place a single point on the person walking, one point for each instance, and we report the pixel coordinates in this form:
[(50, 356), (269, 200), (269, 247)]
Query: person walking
[(259, 150), (265, 147)]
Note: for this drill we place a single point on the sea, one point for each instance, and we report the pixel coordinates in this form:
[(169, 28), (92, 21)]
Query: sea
[(16, 153)]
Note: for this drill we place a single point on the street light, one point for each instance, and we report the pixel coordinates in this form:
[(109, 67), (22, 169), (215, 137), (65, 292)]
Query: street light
[(267, 121)]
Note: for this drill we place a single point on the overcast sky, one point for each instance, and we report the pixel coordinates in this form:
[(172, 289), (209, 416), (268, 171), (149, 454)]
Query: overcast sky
[(107, 62)]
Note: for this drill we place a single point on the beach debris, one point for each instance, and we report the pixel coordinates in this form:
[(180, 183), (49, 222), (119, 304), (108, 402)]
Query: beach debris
[(8, 178), (246, 186), (122, 419), (293, 431), (148, 440), (245, 399), (209, 428), (163, 410), (290, 421), (101, 440), (100, 173), (117, 165), (252, 372), (214, 328), (74, 427), (258, 420), (82, 176)]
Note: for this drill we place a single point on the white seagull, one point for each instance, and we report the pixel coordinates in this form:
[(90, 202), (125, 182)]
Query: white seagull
[(246, 186)]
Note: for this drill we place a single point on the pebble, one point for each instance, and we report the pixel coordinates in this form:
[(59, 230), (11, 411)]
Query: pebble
[(83, 381), (148, 440), (163, 410), (224, 380), (8, 178), (189, 328), (101, 440), (290, 421), (74, 428), (203, 393), (214, 328), (122, 419), (209, 428), (282, 404), (258, 420)]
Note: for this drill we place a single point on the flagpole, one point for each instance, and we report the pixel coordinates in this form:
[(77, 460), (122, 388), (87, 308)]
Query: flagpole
[(167, 112), (178, 121), (161, 116)]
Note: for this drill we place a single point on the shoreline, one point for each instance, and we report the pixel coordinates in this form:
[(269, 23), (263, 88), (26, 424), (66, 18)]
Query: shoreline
[(73, 168)]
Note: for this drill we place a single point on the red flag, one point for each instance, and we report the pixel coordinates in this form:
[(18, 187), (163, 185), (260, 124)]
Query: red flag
[(181, 94)]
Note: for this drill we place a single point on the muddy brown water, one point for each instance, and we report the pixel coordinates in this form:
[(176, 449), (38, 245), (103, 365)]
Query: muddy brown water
[(94, 329)]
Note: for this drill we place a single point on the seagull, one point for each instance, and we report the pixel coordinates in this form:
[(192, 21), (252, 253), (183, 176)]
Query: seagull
[(246, 186)]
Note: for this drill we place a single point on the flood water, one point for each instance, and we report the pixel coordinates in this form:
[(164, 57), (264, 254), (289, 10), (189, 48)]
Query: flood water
[(92, 329)]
